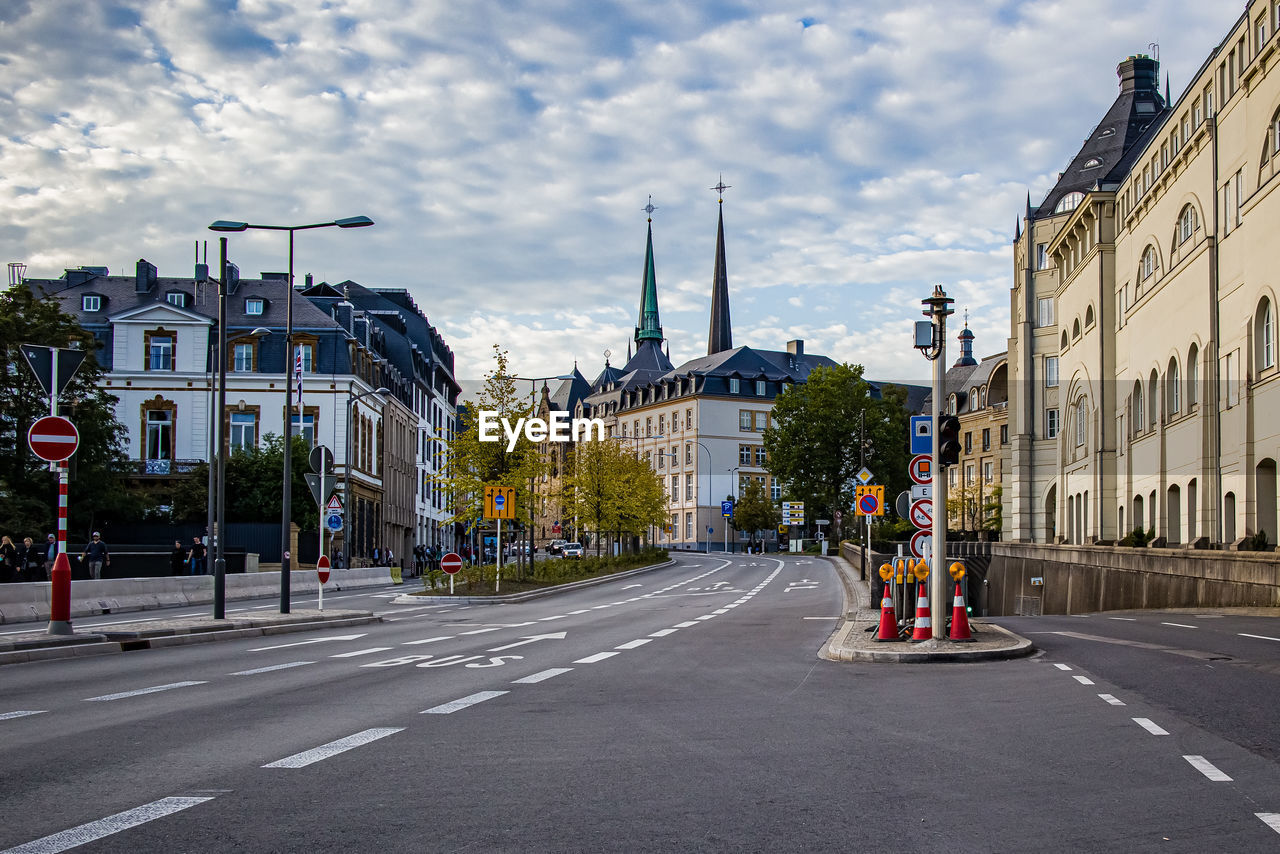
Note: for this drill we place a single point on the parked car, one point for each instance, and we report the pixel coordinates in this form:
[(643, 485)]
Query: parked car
[(571, 550), (555, 547)]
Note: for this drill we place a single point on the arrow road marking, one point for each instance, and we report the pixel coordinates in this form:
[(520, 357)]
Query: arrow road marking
[(530, 639), (314, 640)]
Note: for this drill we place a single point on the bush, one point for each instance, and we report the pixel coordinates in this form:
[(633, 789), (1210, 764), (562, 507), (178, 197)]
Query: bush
[(1137, 538)]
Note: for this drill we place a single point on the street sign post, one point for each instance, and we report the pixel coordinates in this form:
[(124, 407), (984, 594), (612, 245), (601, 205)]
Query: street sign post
[(53, 438), (451, 564), (919, 542), (921, 434), (869, 501), (333, 522), (322, 572), (499, 504), (921, 469), (921, 514), (726, 509), (864, 475), (334, 505), (321, 459)]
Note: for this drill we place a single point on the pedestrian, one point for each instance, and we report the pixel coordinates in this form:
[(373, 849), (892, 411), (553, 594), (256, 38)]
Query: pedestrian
[(8, 560), (338, 560), (199, 564), (179, 564), (390, 557), (52, 557), (32, 561), (376, 556), (466, 553), (97, 555)]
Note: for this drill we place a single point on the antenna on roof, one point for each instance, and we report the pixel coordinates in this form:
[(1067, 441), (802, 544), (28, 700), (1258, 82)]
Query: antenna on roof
[(1154, 47)]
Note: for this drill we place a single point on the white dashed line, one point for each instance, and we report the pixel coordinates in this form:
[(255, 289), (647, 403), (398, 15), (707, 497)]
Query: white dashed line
[(482, 631), (333, 748), (427, 640), (662, 633), (1259, 637), (360, 652), (543, 676), (94, 830), (686, 625), (1110, 698), (1271, 819), (1180, 625), (1083, 680), (271, 668), (549, 619), (8, 716), (579, 611), (464, 702), (592, 659), (633, 644), (1125, 619), (705, 617), (1207, 768), (1062, 666), (142, 691), (1149, 726)]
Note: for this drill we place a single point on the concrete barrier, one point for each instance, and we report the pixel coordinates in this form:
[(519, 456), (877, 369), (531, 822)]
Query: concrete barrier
[(29, 602)]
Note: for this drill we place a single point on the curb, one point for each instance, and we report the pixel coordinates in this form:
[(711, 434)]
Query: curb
[(105, 643), (412, 599)]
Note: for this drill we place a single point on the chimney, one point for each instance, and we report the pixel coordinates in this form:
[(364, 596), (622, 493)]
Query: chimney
[(796, 348), (145, 280), (309, 280)]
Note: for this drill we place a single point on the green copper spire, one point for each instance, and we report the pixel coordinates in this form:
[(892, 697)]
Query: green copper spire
[(649, 329)]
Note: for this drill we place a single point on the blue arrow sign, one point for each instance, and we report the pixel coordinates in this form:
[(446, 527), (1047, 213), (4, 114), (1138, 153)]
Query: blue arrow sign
[(334, 522)]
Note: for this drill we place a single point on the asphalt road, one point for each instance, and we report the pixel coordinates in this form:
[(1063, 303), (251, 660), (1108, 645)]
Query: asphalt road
[(681, 710)]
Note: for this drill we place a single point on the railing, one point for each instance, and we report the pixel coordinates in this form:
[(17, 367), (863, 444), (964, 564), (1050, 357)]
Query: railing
[(161, 468)]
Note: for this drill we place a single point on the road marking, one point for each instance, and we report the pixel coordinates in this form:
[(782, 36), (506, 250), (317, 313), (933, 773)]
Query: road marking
[(142, 691), (482, 631), (271, 668), (598, 607), (8, 716), (427, 640), (592, 659), (359, 652), (1062, 666), (687, 624), (314, 640), (629, 586), (580, 611), (542, 676), (95, 830), (333, 748), (1207, 768), (1150, 727), (662, 633), (705, 617), (1271, 819), (1111, 699), (1180, 625), (1259, 637), (549, 619), (739, 602), (721, 611), (633, 644), (1126, 619), (531, 639), (456, 705), (1083, 680)]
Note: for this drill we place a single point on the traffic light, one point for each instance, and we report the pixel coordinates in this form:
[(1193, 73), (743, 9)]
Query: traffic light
[(948, 440)]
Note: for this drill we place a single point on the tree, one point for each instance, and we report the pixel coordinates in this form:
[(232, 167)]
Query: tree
[(253, 493), (28, 490), (993, 511), (613, 490), (813, 444), (754, 511)]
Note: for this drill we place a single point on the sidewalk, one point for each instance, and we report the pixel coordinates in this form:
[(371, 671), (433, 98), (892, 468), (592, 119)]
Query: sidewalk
[(855, 640), (153, 634)]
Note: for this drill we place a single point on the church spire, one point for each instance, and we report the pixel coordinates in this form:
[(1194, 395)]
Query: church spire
[(648, 328), (720, 336)]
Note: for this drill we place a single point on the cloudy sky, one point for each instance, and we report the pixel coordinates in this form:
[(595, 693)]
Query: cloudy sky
[(506, 149)]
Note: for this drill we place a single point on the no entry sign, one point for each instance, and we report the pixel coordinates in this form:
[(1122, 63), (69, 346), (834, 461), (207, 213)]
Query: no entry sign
[(451, 563), (322, 568), (53, 438)]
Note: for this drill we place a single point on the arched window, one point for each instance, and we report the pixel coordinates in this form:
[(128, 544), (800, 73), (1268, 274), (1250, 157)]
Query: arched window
[(1173, 390), (1270, 147), (1075, 328), (1193, 376), (1139, 421), (1153, 383), (1264, 333), (1064, 339), (973, 398), (1069, 202), (1082, 421), (1148, 263), (1088, 317), (1186, 224)]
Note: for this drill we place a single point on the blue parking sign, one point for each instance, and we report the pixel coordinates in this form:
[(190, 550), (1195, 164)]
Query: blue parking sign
[(726, 509), (922, 434)]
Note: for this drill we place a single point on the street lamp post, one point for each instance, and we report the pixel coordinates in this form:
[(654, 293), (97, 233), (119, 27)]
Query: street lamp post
[(698, 498), (348, 463), (732, 497), (287, 509), (931, 341)]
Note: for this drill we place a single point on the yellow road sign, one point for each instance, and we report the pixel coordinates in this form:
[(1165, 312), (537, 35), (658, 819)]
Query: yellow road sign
[(499, 502), (869, 501)]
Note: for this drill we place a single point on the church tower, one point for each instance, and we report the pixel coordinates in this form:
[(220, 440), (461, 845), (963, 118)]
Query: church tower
[(648, 337), (720, 336)]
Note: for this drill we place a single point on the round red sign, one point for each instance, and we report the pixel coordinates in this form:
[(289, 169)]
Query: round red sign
[(451, 563), (53, 438), (322, 569)]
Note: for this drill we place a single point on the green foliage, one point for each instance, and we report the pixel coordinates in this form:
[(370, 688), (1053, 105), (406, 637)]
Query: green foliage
[(993, 511), (755, 511), (611, 490), (1258, 542), (28, 490), (813, 443), (253, 486), (1137, 538), (480, 580)]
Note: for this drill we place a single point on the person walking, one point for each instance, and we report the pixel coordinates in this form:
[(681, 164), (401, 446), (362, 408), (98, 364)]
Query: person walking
[(97, 555), (199, 563), (8, 560), (51, 556), (178, 561), (32, 561)]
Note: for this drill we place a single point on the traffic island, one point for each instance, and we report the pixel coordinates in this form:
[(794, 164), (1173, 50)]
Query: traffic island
[(179, 631)]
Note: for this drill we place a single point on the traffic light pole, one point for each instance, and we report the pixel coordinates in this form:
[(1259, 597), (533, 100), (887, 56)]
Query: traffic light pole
[(938, 309)]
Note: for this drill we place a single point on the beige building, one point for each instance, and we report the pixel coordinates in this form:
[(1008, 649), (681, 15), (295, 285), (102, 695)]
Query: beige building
[(1142, 354)]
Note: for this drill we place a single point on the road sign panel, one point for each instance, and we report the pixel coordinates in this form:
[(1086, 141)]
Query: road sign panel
[(921, 469), (334, 505), (921, 514), (321, 459), (333, 522), (869, 501), (40, 360), (726, 509), (499, 502), (922, 434), (451, 563), (864, 475), (902, 505), (322, 569), (919, 491), (53, 438), (919, 540)]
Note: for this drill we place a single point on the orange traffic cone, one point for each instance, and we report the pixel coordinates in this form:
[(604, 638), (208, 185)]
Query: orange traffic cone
[(959, 618), (924, 623), (888, 622)]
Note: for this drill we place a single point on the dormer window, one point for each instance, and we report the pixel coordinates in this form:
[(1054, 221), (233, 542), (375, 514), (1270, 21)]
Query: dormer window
[(760, 388), (735, 385), (253, 305), (90, 302), (1091, 163), (1069, 202), (177, 298)]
